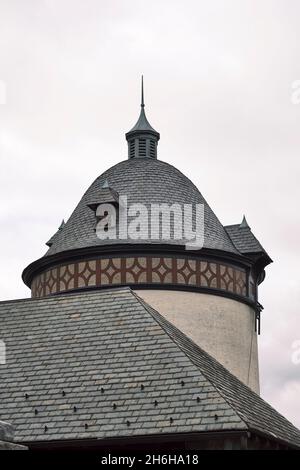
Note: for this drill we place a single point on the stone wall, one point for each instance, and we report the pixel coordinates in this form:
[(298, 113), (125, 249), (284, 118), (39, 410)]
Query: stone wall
[(224, 328)]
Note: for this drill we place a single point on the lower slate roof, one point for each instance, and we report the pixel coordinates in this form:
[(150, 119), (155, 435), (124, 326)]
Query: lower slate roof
[(125, 369)]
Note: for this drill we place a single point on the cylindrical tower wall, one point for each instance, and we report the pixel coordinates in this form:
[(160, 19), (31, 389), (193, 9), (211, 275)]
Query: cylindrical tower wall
[(223, 327)]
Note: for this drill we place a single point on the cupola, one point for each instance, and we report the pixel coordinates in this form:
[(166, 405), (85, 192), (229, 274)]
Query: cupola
[(142, 138)]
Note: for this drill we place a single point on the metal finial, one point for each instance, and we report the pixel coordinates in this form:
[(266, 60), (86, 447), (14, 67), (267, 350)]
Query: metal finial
[(62, 224), (142, 101), (244, 223)]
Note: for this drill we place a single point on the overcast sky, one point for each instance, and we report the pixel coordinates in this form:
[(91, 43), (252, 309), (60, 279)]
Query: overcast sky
[(218, 87)]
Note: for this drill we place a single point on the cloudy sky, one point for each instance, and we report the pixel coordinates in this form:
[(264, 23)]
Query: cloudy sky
[(218, 78)]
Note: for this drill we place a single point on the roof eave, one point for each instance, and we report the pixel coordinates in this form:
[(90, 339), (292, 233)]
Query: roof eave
[(70, 255)]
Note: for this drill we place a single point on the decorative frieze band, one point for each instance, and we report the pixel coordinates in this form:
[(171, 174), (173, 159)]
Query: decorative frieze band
[(140, 270)]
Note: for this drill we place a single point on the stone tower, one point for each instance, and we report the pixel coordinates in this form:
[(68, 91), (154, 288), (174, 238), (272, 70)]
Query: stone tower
[(208, 293)]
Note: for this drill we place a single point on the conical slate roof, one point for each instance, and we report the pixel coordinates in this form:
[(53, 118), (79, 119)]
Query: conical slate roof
[(142, 180)]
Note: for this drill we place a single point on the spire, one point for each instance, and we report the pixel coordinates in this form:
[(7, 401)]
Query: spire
[(142, 138), (62, 224), (50, 242), (244, 223), (142, 100)]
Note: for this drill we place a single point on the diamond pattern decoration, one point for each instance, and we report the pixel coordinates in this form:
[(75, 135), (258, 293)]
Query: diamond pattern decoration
[(137, 270)]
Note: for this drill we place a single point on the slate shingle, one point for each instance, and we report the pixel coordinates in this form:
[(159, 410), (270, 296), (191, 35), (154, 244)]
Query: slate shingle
[(146, 181), (96, 349), (253, 410), (244, 240)]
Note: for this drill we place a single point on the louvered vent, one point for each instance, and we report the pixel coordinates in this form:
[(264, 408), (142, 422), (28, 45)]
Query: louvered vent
[(142, 148), (132, 149), (152, 149)]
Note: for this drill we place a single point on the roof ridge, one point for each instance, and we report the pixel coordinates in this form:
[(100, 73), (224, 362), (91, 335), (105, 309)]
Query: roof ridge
[(163, 322), (126, 334), (117, 349), (234, 225), (66, 295)]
